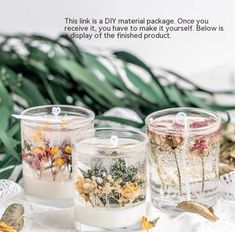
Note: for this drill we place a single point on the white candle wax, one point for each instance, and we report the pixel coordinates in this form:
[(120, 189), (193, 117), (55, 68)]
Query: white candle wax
[(108, 217), (47, 189)]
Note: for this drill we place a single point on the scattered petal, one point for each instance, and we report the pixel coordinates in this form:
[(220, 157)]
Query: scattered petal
[(198, 208), (148, 225), (5, 228), (14, 216)]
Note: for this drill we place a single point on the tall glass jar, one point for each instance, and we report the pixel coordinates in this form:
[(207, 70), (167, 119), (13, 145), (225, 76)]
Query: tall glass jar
[(47, 134), (184, 156), (109, 179)]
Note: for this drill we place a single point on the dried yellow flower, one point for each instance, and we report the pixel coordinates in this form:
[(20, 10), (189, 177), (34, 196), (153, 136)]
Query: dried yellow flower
[(129, 190), (85, 186), (38, 136), (148, 225), (37, 150), (5, 228), (59, 162), (68, 149), (79, 185), (54, 150)]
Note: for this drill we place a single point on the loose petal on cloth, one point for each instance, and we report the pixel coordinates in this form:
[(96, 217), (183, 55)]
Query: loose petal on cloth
[(197, 208)]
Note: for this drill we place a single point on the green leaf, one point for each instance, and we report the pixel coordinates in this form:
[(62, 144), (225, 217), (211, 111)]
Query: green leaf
[(24, 88), (196, 101), (146, 90), (8, 143), (176, 95), (20, 176), (73, 48), (93, 62), (129, 58), (8, 160), (5, 98), (35, 52), (6, 173), (39, 65), (82, 76), (49, 90)]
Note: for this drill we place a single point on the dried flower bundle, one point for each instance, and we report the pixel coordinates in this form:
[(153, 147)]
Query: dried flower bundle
[(40, 155), (197, 147), (116, 186)]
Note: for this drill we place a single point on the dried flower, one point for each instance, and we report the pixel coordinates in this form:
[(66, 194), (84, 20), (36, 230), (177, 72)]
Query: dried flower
[(173, 141), (155, 139), (85, 186), (148, 225), (5, 228), (119, 184), (199, 124), (59, 162), (38, 136), (38, 151), (36, 163), (54, 150), (68, 149), (199, 147), (129, 190), (45, 156)]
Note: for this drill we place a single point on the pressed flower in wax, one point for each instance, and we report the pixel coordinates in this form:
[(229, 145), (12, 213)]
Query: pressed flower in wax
[(116, 185), (48, 156)]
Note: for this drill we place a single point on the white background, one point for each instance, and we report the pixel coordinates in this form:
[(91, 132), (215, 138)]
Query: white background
[(188, 53)]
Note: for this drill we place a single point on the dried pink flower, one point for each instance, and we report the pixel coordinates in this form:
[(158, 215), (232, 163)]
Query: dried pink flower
[(200, 147), (173, 140)]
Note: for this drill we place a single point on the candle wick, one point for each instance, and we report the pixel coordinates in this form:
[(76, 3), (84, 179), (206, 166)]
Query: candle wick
[(182, 118), (56, 111), (114, 140)]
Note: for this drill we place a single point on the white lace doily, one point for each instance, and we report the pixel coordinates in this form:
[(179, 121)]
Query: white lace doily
[(9, 190), (227, 186)]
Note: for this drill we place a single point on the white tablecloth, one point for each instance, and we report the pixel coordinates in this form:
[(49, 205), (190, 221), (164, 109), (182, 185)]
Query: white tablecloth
[(51, 219)]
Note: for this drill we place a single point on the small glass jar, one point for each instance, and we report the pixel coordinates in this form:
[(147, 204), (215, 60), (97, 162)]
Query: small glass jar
[(184, 148), (47, 134), (109, 179)]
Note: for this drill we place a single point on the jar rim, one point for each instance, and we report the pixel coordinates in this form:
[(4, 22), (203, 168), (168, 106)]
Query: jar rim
[(132, 146), (87, 115), (197, 111)]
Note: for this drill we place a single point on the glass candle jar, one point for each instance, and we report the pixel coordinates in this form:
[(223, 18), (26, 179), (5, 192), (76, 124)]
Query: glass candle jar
[(109, 179), (184, 156), (47, 134)]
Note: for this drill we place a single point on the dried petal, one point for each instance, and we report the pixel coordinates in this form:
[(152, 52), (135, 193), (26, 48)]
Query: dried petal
[(198, 208), (14, 216), (68, 149), (59, 162), (173, 141), (148, 225), (5, 228), (200, 147), (54, 150)]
